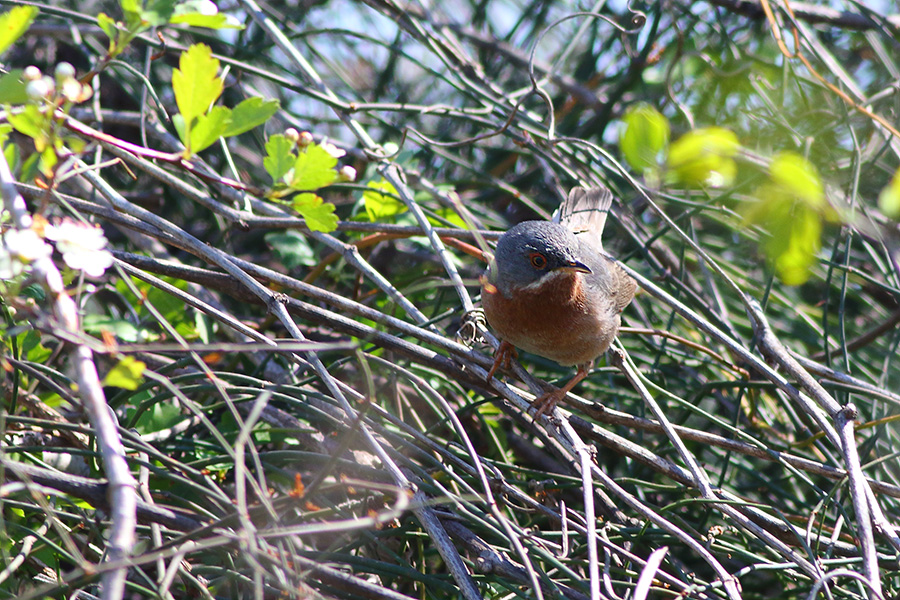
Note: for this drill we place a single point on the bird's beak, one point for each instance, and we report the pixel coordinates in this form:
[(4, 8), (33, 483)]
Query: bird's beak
[(574, 267)]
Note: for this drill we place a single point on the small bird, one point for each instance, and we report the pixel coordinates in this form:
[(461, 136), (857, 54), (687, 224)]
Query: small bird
[(549, 289)]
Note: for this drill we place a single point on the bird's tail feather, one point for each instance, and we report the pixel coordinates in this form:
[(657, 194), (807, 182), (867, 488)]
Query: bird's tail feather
[(584, 212)]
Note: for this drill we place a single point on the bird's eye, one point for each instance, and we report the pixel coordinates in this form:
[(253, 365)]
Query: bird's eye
[(538, 260)]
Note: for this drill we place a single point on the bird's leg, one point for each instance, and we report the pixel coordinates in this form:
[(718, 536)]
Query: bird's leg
[(502, 356), (549, 400)]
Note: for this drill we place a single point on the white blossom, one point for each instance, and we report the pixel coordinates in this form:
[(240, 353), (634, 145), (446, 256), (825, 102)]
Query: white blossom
[(332, 149), (82, 246), (20, 247)]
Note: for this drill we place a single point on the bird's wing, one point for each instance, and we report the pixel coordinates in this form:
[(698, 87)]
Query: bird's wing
[(584, 212)]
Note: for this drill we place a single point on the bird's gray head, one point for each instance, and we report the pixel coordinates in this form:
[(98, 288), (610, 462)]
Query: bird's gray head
[(533, 252)]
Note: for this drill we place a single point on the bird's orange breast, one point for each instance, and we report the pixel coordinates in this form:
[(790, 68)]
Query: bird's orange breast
[(553, 320)]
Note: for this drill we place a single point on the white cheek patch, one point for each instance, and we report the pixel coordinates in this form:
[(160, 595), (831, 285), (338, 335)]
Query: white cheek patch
[(544, 279)]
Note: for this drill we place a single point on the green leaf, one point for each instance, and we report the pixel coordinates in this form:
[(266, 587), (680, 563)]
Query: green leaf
[(319, 215), (158, 12), (159, 416), (250, 113), (704, 157), (798, 178), (12, 88), (196, 83), (292, 248), (128, 374), (31, 348), (790, 206), (30, 122), (209, 21), (13, 23), (889, 198), (180, 129), (313, 169), (108, 25), (209, 128), (379, 204), (645, 135), (279, 158)]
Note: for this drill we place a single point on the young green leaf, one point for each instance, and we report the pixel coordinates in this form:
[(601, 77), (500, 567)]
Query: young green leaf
[(128, 374), (209, 128), (14, 23), (645, 135), (12, 88), (381, 201), (798, 178), (250, 113), (279, 158), (31, 122), (196, 83), (704, 157), (790, 206), (313, 169), (319, 215), (889, 198)]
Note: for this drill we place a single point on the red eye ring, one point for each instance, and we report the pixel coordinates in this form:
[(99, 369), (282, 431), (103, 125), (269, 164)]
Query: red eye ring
[(538, 260)]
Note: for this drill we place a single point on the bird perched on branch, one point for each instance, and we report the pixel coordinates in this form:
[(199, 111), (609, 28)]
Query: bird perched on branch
[(550, 289)]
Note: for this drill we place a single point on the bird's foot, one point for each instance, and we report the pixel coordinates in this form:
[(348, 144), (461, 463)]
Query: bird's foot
[(548, 401), (504, 354)]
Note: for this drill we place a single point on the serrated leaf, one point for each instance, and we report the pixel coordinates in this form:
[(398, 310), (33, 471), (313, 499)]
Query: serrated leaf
[(196, 82), (279, 158), (209, 128), (889, 198), (645, 135), (12, 88), (319, 214), (249, 114), (313, 169), (127, 374), (380, 201), (14, 23), (704, 157)]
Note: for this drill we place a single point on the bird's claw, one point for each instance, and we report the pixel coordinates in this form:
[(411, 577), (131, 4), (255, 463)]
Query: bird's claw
[(504, 354)]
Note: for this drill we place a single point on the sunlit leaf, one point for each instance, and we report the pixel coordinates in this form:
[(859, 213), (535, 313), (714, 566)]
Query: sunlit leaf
[(319, 214), (14, 23), (790, 206), (127, 374), (30, 122), (797, 177), (313, 169), (209, 128), (195, 82), (889, 198), (250, 113), (644, 136), (704, 157)]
